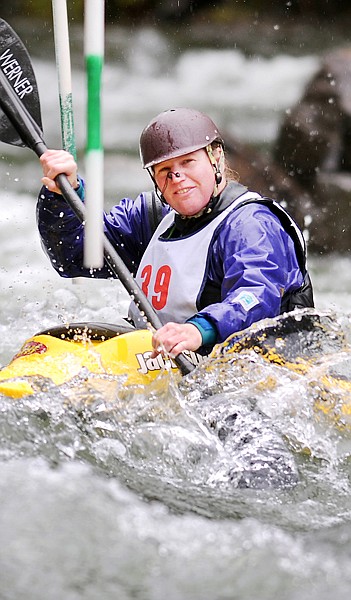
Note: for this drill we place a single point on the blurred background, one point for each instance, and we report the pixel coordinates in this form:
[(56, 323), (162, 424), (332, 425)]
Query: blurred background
[(142, 10)]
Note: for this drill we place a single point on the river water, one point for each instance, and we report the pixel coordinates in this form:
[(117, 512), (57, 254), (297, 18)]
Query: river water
[(139, 494)]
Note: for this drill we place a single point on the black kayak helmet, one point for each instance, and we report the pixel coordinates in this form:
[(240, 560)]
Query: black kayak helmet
[(176, 132)]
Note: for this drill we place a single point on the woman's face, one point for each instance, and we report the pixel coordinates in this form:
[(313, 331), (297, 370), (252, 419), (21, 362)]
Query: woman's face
[(191, 191)]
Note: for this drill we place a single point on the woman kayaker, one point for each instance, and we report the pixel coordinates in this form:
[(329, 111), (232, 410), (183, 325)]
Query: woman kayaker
[(221, 258)]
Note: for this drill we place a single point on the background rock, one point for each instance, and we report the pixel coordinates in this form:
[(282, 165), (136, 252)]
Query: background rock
[(314, 148)]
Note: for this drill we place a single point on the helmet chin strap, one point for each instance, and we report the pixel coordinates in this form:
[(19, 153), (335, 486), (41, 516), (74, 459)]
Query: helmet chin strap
[(218, 165), (158, 192)]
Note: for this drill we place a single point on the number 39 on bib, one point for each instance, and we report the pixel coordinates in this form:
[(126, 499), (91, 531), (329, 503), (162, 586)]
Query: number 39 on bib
[(155, 285)]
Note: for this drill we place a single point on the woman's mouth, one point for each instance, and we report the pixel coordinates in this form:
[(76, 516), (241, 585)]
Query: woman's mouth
[(183, 191)]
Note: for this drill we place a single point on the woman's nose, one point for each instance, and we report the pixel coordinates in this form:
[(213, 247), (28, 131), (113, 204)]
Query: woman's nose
[(171, 173)]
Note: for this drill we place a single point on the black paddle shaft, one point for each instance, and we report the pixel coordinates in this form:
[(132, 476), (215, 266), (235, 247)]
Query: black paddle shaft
[(31, 135)]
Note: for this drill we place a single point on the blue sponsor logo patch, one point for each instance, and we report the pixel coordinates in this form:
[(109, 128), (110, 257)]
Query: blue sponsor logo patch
[(247, 300)]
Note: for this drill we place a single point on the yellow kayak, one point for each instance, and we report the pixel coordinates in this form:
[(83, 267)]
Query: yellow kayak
[(63, 352), (306, 344)]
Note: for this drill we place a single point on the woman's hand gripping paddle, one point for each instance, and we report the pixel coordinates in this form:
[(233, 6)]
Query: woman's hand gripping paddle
[(20, 125)]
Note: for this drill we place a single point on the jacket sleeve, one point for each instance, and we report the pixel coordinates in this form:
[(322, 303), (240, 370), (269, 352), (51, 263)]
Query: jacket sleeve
[(127, 227), (253, 260)]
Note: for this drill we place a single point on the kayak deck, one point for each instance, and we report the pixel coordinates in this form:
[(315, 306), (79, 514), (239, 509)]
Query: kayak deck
[(127, 355)]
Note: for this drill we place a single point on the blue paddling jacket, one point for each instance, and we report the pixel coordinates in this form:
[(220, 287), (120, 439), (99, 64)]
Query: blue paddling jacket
[(255, 265)]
